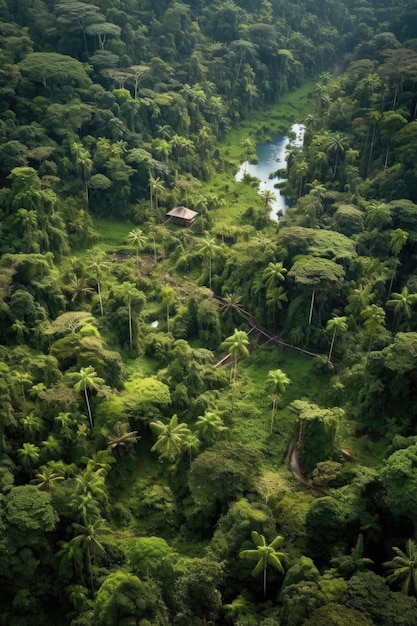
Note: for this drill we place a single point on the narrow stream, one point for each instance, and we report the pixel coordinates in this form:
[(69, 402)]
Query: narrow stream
[(271, 157)]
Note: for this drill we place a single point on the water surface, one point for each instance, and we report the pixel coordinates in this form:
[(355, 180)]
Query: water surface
[(272, 157)]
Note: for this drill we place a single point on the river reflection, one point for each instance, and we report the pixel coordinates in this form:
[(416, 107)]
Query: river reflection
[(272, 157)]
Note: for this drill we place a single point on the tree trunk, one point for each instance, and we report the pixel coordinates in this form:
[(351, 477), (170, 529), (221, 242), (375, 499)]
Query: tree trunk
[(129, 308), (311, 307), (100, 298), (331, 345), (87, 401)]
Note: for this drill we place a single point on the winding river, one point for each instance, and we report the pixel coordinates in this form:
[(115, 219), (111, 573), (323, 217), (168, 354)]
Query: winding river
[(271, 157)]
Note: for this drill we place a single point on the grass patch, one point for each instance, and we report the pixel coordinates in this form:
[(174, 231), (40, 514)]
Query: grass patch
[(252, 411), (141, 367), (112, 233)]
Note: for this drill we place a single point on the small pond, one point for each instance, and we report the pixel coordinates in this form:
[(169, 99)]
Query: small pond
[(272, 157)]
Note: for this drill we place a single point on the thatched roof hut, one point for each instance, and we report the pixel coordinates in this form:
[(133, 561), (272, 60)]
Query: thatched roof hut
[(182, 216)]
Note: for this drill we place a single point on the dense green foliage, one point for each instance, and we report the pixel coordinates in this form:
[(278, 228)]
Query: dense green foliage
[(157, 383)]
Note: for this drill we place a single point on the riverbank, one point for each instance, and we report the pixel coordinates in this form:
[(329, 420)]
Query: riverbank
[(236, 197)]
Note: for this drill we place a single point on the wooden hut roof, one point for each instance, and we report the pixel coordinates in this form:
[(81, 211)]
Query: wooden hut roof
[(182, 213)]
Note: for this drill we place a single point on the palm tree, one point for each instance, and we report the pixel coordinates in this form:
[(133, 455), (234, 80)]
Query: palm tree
[(191, 444), (22, 379), (79, 287), (300, 171), (156, 187), (122, 438), (275, 296), (398, 240), (334, 144), (277, 383), (169, 298), (403, 568), (37, 390), (243, 48), (273, 275), (71, 555), (349, 564), (268, 197), (129, 293), (248, 147), (51, 446), (209, 250), (88, 537), (210, 426), (65, 424), (29, 454), (97, 265), (336, 324), (91, 490), (402, 302), (236, 346), (171, 438), (32, 424), (266, 554), (46, 477), (137, 238), (374, 317), (20, 328), (87, 379), (231, 301), (83, 163)]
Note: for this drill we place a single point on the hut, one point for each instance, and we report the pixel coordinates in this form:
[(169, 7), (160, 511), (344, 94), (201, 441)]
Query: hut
[(182, 216)]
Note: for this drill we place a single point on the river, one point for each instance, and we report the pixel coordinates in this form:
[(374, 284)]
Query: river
[(272, 157)]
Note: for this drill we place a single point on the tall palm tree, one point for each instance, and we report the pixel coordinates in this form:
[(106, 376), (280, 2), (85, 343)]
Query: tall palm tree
[(209, 250), (243, 48), (335, 325), (268, 198), (98, 265), (88, 537), (236, 345), (169, 298), (171, 438), (83, 164), (397, 242), (129, 293), (248, 147), (137, 238), (22, 380), (156, 187), (273, 275), (65, 425), (266, 554), (374, 317), (275, 296), (276, 383), (403, 568), (87, 379), (79, 287), (402, 303), (191, 444)]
